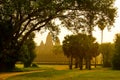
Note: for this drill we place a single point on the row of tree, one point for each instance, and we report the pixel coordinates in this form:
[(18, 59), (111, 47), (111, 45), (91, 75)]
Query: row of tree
[(80, 47)]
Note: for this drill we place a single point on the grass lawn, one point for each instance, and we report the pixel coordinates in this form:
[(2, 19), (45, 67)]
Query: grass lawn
[(75, 74)]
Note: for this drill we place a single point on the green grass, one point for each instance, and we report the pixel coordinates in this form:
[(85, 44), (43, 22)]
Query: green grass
[(76, 74), (20, 68)]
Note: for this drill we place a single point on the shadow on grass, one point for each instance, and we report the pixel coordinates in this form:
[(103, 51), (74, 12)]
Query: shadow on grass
[(49, 73)]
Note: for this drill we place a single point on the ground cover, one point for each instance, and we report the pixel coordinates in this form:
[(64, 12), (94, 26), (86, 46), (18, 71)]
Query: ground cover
[(55, 73)]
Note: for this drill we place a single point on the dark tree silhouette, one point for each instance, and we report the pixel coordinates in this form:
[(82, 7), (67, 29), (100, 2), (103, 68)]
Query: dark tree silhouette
[(80, 47), (116, 59)]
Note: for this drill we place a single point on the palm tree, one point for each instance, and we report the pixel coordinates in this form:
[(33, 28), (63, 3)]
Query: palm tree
[(102, 24)]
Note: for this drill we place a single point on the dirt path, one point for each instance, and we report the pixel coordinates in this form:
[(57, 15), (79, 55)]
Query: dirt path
[(4, 76)]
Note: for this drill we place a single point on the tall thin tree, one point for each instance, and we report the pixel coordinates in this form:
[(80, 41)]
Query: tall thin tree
[(101, 26)]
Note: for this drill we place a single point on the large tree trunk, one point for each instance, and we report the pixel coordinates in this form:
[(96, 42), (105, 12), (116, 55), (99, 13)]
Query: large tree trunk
[(8, 60), (71, 62), (81, 63), (88, 63), (101, 36), (27, 64), (7, 66), (76, 62), (95, 61)]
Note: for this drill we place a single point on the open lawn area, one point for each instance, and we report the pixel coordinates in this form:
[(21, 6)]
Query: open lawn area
[(62, 73)]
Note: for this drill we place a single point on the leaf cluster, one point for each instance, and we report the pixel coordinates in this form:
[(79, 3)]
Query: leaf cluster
[(80, 45)]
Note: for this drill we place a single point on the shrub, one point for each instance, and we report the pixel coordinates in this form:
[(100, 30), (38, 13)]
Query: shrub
[(34, 65)]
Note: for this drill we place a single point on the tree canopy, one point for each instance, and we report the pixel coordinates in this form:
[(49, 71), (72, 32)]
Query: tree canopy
[(80, 46), (28, 51), (92, 13)]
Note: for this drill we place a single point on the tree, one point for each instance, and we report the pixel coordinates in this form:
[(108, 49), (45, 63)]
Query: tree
[(91, 49), (95, 51), (96, 13), (101, 25), (80, 47), (116, 59), (22, 17), (28, 53), (68, 49), (107, 50), (7, 55)]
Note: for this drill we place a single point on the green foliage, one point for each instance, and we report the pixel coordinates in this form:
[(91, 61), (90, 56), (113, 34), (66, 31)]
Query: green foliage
[(27, 51), (107, 50), (34, 65), (7, 56), (95, 13), (80, 46), (116, 59)]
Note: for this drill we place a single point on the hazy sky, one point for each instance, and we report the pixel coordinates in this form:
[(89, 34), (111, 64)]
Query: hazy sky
[(108, 35)]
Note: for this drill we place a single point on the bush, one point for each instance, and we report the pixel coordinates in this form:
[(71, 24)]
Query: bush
[(35, 65)]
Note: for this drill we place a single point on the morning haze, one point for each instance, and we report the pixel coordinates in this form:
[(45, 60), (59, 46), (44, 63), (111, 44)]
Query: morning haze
[(89, 52)]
